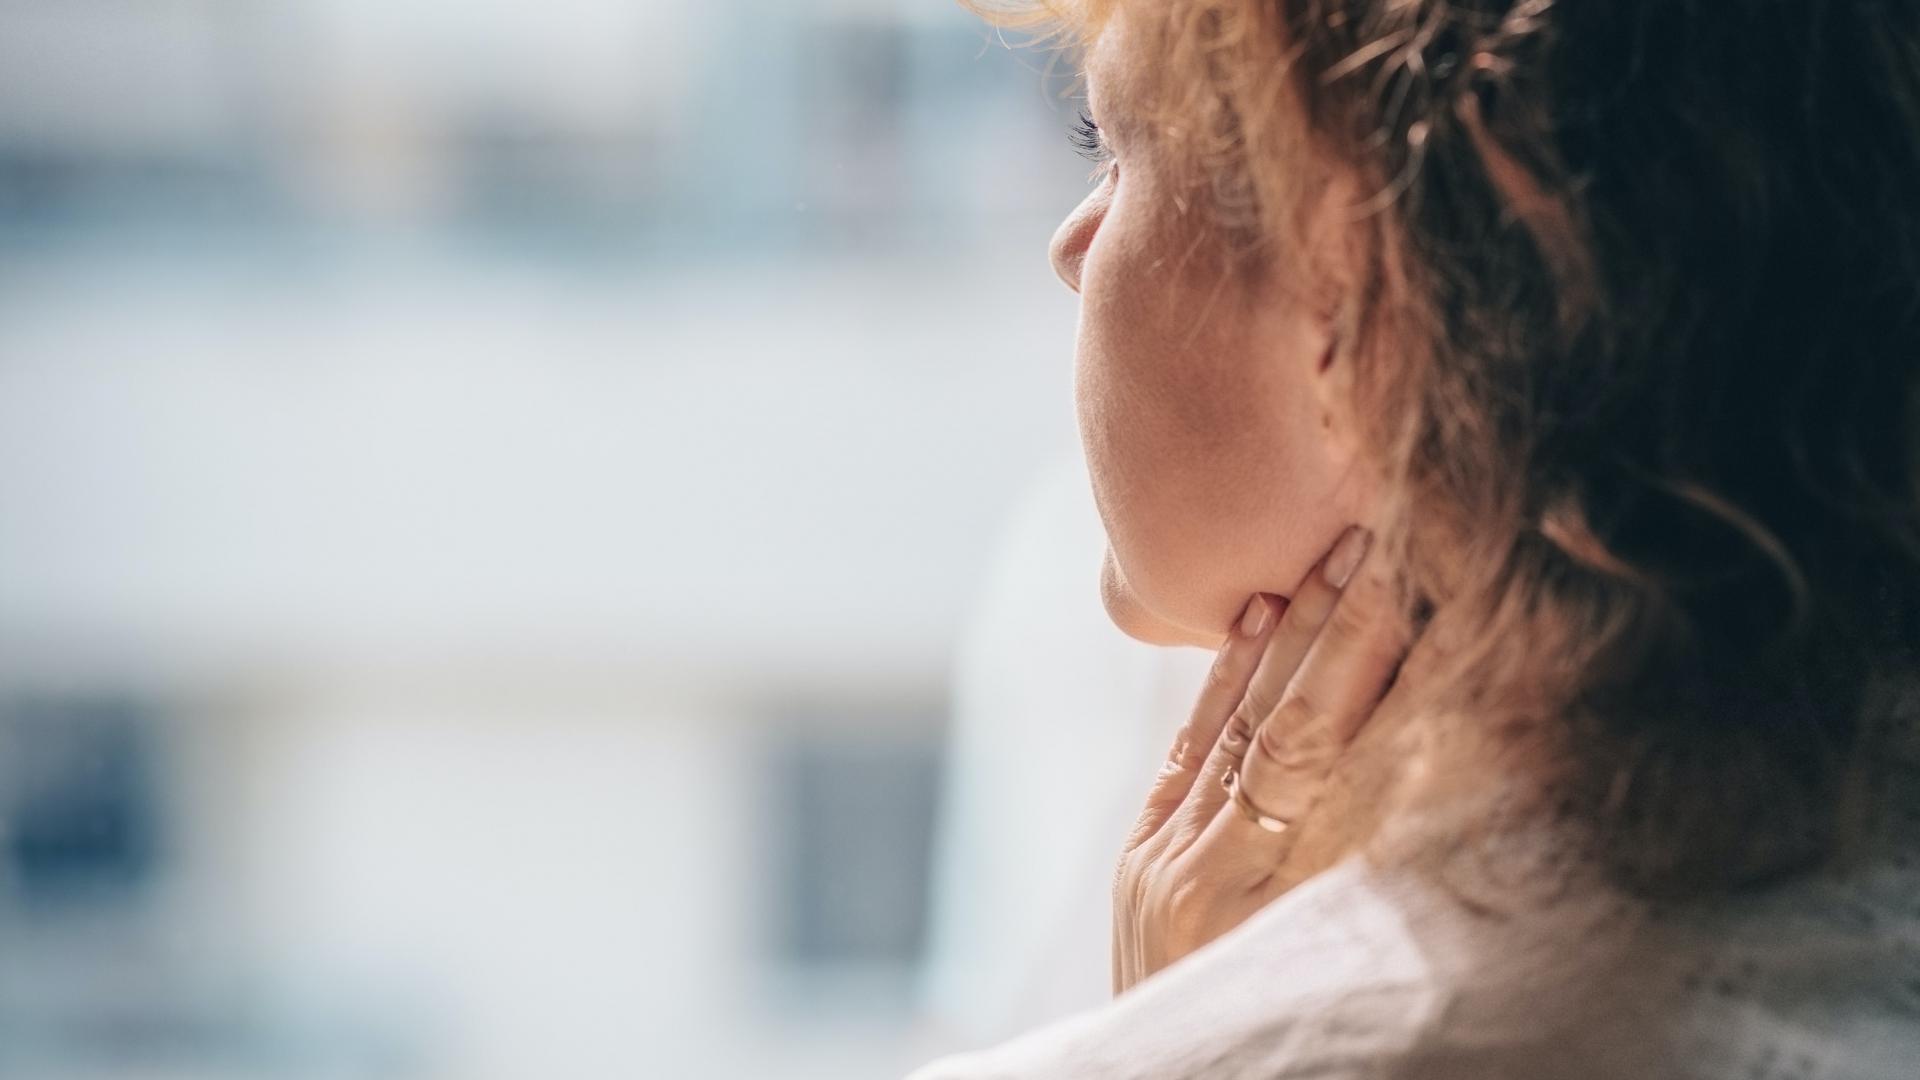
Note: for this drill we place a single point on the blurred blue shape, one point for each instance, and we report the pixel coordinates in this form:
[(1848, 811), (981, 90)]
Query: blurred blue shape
[(77, 799)]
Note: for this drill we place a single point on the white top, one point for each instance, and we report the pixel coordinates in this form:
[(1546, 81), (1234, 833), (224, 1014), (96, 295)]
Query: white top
[(1367, 972)]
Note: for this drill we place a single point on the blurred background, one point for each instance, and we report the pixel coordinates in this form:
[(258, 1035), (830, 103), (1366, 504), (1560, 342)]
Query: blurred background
[(492, 496)]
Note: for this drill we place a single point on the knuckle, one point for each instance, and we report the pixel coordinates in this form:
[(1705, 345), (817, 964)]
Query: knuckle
[(1237, 736), (1347, 627), (1304, 741), (1185, 754), (1302, 709), (1315, 748), (1258, 702), (1273, 739), (1186, 909)]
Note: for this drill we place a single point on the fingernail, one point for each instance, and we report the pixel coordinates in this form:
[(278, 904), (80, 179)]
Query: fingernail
[(1346, 555), (1253, 621)]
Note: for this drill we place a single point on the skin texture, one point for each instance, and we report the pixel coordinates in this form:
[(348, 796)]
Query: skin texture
[(1288, 695), (1210, 418), (1213, 419)]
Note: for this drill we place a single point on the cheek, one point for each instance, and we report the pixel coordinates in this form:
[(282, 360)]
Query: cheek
[(1206, 461), (1137, 391)]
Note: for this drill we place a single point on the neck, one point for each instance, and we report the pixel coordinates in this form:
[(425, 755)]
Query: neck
[(1417, 781)]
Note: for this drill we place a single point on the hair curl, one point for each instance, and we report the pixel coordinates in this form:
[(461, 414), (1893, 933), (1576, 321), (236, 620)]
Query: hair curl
[(1635, 347)]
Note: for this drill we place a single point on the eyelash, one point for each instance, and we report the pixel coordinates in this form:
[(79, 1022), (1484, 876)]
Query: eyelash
[(1089, 144)]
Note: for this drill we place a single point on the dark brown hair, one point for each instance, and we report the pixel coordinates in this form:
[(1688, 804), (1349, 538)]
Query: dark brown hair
[(1637, 336)]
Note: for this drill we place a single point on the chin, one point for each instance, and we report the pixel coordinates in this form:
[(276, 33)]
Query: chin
[(1139, 622)]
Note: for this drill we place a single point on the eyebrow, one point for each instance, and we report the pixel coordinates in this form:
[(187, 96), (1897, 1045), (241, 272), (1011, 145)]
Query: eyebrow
[(1108, 108), (1100, 106), (1087, 95)]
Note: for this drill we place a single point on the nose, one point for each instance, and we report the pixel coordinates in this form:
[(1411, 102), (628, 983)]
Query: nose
[(1071, 240)]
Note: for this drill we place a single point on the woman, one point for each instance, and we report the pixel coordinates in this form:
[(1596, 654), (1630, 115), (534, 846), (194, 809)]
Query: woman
[(1523, 391)]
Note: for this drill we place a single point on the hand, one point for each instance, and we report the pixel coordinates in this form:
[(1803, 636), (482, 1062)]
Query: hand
[(1289, 689)]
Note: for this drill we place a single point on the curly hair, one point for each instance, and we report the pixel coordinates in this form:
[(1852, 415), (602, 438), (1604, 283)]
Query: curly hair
[(1635, 348)]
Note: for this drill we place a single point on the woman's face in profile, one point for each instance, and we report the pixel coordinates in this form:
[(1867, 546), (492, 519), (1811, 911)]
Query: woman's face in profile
[(1208, 415)]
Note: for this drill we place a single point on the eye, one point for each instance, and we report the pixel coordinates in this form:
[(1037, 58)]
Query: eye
[(1090, 144)]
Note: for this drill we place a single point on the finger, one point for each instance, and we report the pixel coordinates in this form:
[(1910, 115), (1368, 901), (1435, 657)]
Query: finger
[(1226, 684), (1341, 681), (1313, 603), (1333, 695)]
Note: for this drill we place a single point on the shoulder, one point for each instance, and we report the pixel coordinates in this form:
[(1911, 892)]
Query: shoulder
[(1326, 981), (1501, 962)]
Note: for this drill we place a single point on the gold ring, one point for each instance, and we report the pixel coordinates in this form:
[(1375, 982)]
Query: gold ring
[(1231, 781)]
